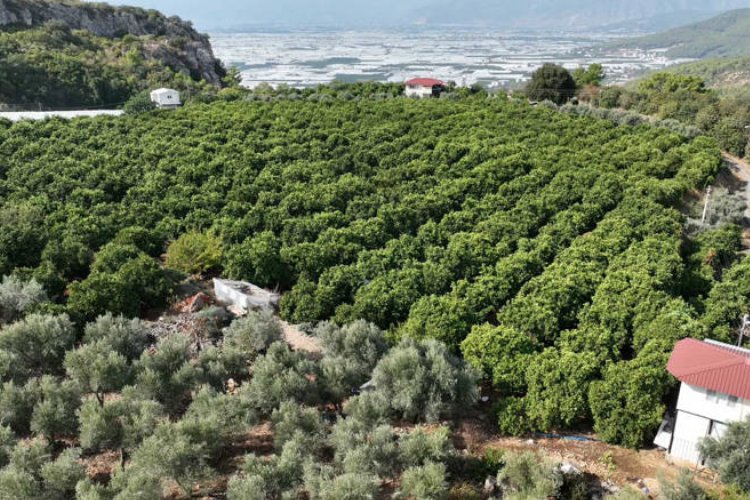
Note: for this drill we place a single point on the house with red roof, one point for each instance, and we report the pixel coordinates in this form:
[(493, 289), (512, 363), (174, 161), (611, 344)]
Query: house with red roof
[(424, 87), (715, 391)]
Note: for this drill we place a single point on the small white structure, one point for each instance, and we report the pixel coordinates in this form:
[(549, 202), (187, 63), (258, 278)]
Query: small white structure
[(243, 296), (423, 87), (15, 116), (715, 391), (166, 98)]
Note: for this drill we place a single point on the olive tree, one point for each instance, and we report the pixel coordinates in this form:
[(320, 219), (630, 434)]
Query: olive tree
[(97, 369), (323, 483), (421, 446), (292, 420), (121, 423), (425, 482), (350, 354), (54, 414), (166, 374), (422, 380), (128, 337), (730, 454), (526, 475), (17, 297), (280, 375), (253, 334), (35, 346), (270, 477)]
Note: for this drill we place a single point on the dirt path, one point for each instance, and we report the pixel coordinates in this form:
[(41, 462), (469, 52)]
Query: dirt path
[(639, 469), (299, 341), (736, 178), (740, 169)]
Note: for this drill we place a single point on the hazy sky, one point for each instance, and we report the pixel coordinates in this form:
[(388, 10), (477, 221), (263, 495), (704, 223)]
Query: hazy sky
[(212, 14)]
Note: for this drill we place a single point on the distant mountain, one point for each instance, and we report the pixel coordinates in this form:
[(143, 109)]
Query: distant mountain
[(725, 35), (568, 14)]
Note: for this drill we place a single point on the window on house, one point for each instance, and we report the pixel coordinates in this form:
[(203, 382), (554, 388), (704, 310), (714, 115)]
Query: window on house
[(711, 395), (732, 400)]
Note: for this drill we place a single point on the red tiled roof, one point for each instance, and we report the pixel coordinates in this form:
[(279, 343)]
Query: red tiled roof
[(718, 367), (424, 82)]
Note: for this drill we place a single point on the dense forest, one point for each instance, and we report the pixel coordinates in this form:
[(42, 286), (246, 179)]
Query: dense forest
[(545, 249)]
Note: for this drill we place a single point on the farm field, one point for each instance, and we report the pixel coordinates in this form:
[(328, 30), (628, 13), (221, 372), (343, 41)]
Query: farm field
[(544, 250)]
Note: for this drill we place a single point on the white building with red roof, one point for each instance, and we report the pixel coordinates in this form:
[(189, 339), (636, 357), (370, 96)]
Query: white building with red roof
[(715, 391), (423, 87)]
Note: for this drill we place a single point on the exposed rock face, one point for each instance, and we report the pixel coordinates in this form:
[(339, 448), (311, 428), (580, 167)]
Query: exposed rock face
[(194, 55)]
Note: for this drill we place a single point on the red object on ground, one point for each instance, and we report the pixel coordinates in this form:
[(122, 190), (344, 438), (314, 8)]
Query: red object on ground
[(424, 82), (195, 303), (721, 368)]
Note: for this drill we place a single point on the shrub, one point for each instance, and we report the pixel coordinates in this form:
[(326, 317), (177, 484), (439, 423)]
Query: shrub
[(421, 380), (730, 455), (17, 404), (18, 297), (97, 369), (169, 454), (362, 450), (685, 488), (425, 482), (526, 475), (128, 337), (270, 477), (215, 366), (194, 252), (62, 475), (35, 346), (369, 408), (139, 103), (281, 375), (421, 446), (253, 334), (292, 420), (54, 414), (33, 474), (350, 355), (322, 483), (166, 374), (120, 423), (247, 488)]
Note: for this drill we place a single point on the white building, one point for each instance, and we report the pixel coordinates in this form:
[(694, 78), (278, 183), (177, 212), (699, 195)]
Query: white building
[(243, 296), (715, 391), (166, 98), (423, 87)]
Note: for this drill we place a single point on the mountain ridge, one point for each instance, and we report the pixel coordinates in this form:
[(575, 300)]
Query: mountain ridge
[(726, 35), (195, 56)]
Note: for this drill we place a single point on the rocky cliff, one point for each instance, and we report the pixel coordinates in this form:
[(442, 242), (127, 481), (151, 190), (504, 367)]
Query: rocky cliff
[(172, 41)]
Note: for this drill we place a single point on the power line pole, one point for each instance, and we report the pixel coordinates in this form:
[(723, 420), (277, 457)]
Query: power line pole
[(705, 208)]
